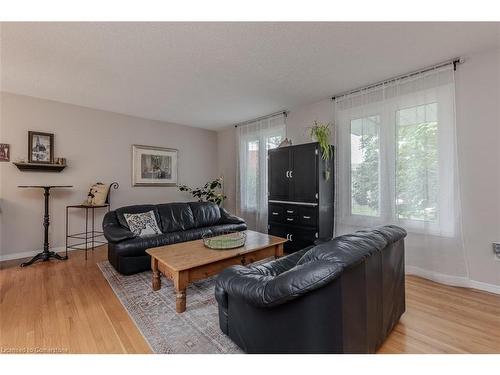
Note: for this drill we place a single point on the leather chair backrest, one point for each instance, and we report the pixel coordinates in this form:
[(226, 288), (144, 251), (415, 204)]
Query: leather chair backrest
[(175, 217), (205, 213)]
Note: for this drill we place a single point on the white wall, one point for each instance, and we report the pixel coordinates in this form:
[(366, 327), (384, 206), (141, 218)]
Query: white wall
[(97, 145), (478, 132)]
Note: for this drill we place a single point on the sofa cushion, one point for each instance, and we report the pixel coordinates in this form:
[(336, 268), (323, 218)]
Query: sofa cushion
[(138, 246), (137, 209), (205, 213), (175, 217)]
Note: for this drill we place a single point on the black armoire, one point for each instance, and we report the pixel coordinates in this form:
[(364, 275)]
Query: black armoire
[(300, 197)]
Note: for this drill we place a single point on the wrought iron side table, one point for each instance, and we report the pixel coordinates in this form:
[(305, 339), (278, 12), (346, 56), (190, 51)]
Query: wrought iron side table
[(92, 236)]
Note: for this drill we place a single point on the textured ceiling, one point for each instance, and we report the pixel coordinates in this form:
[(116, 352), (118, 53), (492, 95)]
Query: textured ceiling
[(211, 75)]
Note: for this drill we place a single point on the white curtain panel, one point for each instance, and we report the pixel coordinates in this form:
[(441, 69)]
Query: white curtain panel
[(397, 164), (253, 141)]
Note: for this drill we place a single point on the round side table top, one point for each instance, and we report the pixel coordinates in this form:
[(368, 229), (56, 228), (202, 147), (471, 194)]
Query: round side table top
[(45, 186)]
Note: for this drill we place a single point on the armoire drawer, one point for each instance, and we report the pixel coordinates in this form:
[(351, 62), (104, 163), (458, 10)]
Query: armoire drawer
[(276, 213), (308, 216), (283, 213)]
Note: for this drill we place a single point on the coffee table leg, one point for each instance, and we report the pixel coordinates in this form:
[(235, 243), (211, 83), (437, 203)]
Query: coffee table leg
[(180, 283), (156, 274), (180, 301), (278, 250)]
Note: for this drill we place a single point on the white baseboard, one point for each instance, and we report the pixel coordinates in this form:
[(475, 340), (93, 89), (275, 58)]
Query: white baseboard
[(29, 254), (452, 280)]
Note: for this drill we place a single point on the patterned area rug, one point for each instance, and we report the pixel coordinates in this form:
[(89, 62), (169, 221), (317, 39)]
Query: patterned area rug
[(194, 331)]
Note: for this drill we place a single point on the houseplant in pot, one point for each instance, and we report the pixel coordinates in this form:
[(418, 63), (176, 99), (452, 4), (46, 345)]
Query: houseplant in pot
[(321, 132), (210, 192)]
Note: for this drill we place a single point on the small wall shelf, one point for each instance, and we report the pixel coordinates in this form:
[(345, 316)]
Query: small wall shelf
[(39, 167)]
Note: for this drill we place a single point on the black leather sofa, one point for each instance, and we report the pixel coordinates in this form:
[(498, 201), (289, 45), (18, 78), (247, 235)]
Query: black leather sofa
[(179, 222), (341, 296)]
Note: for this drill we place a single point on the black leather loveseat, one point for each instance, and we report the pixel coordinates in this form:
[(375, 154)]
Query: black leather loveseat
[(179, 222), (341, 296)]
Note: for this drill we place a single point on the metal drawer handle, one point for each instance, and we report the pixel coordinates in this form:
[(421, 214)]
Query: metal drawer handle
[(289, 211), (306, 217), (275, 213), (288, 219)]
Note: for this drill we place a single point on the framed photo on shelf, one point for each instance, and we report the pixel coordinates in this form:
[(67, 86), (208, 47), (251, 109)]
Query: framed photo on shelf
[(4, 152), (40, 147), (154, 166)]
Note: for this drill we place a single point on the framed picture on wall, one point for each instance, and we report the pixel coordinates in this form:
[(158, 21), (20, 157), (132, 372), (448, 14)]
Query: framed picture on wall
[(154, 166), (40, 147), (4, 152)]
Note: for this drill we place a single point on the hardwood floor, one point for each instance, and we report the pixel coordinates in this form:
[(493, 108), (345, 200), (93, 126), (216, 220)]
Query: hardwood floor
[(64, 306), (69, 307)]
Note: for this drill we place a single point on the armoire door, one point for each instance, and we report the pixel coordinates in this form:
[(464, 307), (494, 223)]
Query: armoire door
[(279, 169), (304, 177)]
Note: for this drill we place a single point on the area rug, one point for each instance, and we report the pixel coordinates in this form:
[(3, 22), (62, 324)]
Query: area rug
[(194, 331)]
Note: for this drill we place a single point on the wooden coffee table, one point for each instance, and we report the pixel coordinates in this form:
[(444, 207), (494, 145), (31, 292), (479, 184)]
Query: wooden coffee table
[(190, 261)]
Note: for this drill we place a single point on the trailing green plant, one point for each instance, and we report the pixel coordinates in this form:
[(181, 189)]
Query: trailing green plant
[(210, 192), (322, 132)]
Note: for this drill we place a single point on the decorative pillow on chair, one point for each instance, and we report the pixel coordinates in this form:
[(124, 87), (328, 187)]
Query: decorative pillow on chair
[(97, 195), (143, 224)]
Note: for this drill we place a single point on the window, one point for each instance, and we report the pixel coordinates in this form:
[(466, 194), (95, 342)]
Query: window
[(365, 165), (413, 177), (417, 168), (253, 163), (252, 171), (396, 163), (396, 156)]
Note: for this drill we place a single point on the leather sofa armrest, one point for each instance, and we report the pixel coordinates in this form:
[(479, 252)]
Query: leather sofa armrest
[(113, 231), (227, 218), (267, 291), (271, 268)]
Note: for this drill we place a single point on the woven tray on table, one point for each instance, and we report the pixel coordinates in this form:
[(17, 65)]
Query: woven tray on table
[(225, 241)]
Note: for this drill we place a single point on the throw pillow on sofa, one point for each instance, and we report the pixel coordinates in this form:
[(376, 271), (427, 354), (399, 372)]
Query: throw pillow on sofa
[(142, 224)]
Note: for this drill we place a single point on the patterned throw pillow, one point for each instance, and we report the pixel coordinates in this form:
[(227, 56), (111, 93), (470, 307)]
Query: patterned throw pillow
[(143, 224)]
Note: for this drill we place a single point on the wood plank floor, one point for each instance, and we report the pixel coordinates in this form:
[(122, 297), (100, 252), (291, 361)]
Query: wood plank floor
[(69, 307)]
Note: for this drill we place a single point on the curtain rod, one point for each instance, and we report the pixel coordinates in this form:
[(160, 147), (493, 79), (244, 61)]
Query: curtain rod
[(455, 61), (261, 118)]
